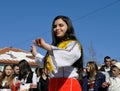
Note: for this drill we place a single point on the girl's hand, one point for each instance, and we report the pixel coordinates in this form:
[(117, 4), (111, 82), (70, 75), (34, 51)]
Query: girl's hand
[(39, 42), (33, 50), (33, 85), (105, 84)]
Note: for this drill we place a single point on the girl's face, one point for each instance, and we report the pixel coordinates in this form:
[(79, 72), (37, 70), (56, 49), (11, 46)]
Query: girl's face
[(8, 70), (60, 28), (88, 68), (115, 71)]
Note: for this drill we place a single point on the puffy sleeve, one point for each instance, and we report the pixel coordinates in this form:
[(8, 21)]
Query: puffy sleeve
[(61, 57), (39, 60), (67, 56)]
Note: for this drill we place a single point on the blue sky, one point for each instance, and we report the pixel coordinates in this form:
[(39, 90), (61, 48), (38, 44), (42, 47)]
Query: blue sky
[(96, 23)]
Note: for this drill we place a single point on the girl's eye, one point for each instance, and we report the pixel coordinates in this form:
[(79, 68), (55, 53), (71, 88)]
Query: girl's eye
[(61, 25)]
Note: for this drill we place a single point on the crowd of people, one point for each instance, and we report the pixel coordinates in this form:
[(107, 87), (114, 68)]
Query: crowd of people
[(103, 78), (61, 69), (20, 77)]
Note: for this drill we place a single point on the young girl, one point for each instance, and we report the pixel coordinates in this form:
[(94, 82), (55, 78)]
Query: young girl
[(26, 78), (93, 80), (63, 56), (43, 80), (7, 79)]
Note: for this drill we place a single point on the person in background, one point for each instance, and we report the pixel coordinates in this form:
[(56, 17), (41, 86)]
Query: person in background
[(113, 83), (63, 56), (94, 79), (82, 73), (7, 79), (113, 61), (106, 68), (27, 79), (37, 73), (16, 74), (43, 80), (16, 69), (38, 77), (107, 64)]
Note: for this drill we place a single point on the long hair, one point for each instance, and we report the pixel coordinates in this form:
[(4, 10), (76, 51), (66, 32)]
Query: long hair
[(69, 35), (24, 69), (9, 78), (93, 68)]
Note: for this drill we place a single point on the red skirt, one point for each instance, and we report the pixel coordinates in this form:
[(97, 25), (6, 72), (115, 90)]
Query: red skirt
[(64, 84)]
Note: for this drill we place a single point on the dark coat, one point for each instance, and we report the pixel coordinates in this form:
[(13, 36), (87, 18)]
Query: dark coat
[(100, 78)]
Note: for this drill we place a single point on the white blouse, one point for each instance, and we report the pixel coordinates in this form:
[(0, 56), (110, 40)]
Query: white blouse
[(62, 60), (25, 85), (114, 84)]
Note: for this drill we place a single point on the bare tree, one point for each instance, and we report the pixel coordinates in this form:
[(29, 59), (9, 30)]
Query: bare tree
[(91, 52)]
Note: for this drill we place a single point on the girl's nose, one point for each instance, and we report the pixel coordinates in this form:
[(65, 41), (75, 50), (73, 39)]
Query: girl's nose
[(57, 27)]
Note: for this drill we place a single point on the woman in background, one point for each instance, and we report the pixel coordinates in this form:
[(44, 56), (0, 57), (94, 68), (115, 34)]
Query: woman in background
[(27, 78), (93, 80), (7, 78)]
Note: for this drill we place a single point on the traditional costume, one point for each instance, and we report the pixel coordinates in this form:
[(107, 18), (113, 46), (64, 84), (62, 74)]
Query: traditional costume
[(59, 65)]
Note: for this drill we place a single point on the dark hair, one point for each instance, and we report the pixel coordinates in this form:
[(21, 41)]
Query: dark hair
[(69, 33), (24, 69), (106, 57), (114, 60), (15, 65), (1, 71)]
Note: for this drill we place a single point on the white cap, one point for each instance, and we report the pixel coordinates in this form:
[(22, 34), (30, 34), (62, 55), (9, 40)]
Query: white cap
[(117, 64)]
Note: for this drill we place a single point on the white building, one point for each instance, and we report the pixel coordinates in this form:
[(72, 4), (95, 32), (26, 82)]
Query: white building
[(14, 55)]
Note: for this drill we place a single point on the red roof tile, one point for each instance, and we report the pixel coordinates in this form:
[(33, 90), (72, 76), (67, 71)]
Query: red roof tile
[(13, 58)]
